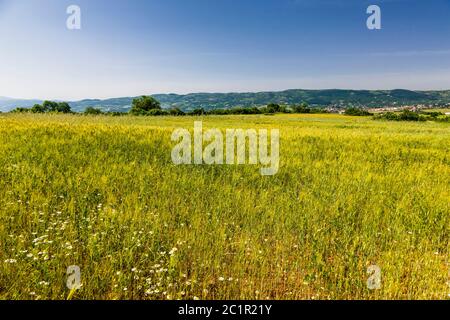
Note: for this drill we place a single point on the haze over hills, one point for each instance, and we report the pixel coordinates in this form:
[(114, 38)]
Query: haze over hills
[(7, 104), (324, 98)]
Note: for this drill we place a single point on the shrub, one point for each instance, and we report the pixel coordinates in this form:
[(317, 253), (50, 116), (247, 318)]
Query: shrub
[(273, 108), (47, 106), (93, 111), (357, 112), (391, 116), (407, 115), (176, 112), (197, 112), (302, 108), (157, 112), (21, 110)]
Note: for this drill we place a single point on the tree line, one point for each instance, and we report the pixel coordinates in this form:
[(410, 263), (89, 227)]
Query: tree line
[(46, 107), (149, 106), (407, 115)]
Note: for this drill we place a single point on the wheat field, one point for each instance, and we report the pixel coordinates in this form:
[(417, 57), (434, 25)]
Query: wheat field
[(102, 193)]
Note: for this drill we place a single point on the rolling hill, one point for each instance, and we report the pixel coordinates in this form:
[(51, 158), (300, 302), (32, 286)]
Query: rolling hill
[(324, 98)]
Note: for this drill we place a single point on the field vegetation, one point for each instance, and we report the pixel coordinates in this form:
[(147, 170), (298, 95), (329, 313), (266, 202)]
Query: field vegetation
[(102, 193)]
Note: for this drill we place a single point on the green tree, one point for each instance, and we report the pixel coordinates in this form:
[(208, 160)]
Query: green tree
[(50, 106), (197, 112), (357, 112), (302, 108), (92, 111), (273, 108), (20, 110), (176, 112), (407, 115), (37, 108), (157, 112), (144, 104), (63, 107)]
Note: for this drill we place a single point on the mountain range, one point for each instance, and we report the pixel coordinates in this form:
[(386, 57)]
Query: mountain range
[(323, 98)]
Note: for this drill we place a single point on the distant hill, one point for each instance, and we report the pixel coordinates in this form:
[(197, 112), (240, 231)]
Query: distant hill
[(6, 104), (338, 98), (324, 98)]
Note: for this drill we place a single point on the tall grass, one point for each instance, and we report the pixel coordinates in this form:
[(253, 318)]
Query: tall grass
[(103, 194)]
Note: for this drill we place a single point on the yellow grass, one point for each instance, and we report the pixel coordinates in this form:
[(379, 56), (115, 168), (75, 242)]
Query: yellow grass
[(103, 194)]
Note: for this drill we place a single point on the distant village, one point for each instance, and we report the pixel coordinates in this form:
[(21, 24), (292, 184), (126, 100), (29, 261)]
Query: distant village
[(340, 109)]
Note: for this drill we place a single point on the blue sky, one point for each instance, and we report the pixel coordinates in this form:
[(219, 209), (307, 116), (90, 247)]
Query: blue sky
[(134, 47)]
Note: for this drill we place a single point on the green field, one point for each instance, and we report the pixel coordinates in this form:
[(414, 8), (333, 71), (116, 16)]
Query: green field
[(102, 193)]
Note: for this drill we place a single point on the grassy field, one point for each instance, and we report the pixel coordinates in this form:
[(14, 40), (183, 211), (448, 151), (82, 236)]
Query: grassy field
[(103, 194)]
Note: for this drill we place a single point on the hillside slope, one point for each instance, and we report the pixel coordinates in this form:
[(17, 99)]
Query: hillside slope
[(332, 97)]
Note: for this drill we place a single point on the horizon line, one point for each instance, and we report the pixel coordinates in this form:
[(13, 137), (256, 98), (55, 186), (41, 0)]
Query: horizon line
[(218, 92)]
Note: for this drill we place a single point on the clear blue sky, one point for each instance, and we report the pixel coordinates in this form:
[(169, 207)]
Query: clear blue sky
[(134, 47)]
